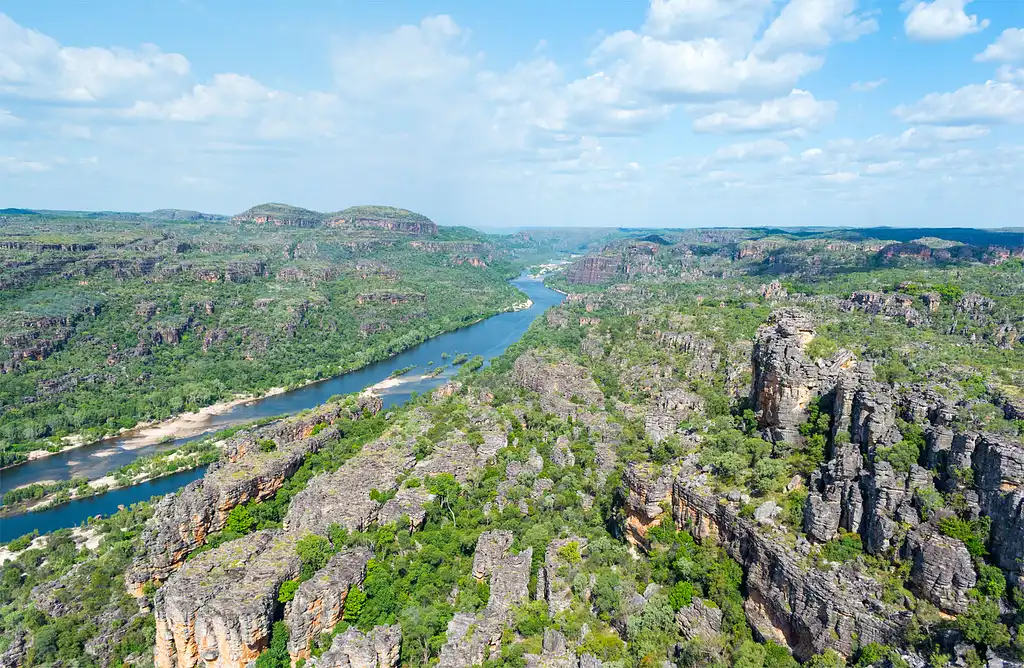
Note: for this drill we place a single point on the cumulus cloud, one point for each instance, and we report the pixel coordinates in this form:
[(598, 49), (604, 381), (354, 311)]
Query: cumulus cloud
[(814, 24), (797, 111), (990, 102), (940, 20), (762, 149), (866, 86), (1008, 47), (277, 114), (685, 19), (35, 66), (412, 56)]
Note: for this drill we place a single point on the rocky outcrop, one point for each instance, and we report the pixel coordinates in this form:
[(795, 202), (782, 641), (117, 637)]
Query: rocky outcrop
[(897, 305), (556, 653), (668, 410), (808, 609), (834, 499), (648, 494), (380, 648), (565, 388), (390, 298), (786, 380), (941, 568), (218, 609), (320, 601), (699, 621), (281, 215), (998, 464), (343, 497), (473, 639), (182, 521), (554, 579)]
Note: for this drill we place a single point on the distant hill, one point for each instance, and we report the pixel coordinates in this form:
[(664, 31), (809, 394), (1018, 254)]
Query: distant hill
[(183, 214), (18, 212), (280, 214), (366, 217)]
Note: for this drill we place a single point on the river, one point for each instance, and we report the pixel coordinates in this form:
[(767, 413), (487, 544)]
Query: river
[(489, 338)]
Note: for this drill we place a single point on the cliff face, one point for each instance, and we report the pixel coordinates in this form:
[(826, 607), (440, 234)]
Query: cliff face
[(320, 601), (182, 521), (473, 639), (353, 649), (218, 609), (787, 601), (786, 380), (593, 270)]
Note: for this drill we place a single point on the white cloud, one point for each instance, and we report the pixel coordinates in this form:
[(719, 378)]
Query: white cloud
[(840, 177), (814, 24), (1008, 74), (1008, 47), (797, 111), (14, 165), (882, 168), (277, 114), (762, 149), (682, 19), (410, 57), (941, 20), (33, 65), (709, 67), (7, 119), (866, 86), (991, 102)]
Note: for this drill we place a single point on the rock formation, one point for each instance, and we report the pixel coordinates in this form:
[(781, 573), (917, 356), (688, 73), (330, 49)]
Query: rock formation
[(182, 521), (473, 639), (380, 648), (786, 380), (218, 609), (320, 601)]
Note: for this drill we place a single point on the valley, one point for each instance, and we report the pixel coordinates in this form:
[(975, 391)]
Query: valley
[(693, 447)]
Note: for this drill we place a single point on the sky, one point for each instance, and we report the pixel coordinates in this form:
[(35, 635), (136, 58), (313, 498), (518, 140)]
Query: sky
[(672, 113)]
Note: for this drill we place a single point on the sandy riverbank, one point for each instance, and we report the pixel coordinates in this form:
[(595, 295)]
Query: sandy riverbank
[(84, 538)]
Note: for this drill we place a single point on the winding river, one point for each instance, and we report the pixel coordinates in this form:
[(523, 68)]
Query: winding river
[(489, 338)]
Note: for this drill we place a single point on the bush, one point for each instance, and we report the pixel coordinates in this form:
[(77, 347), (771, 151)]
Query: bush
[(681, 595), (980, 623), (267, 445), (287, 591), (846, 547), (974, 534), (21, 542)]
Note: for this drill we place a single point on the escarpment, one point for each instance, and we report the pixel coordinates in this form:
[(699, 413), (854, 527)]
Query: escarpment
[(788, 600), (319, 602), (254, 467), (218, 609), (364, 490)]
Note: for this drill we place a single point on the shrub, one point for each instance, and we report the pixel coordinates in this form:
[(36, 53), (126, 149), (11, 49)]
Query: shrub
[(846, 547), (980, 623), (287, 591), (974, 534), (267, 445)]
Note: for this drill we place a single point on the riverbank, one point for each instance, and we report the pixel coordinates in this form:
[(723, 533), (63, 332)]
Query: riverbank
[(487, 339)]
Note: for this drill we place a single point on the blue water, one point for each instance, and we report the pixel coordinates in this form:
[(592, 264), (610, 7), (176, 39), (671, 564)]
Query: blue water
[(488, 338)]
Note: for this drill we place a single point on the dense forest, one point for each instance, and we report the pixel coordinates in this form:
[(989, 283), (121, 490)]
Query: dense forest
[(111, 322)]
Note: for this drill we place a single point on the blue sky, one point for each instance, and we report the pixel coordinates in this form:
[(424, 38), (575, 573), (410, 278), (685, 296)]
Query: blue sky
[(667, 113)]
